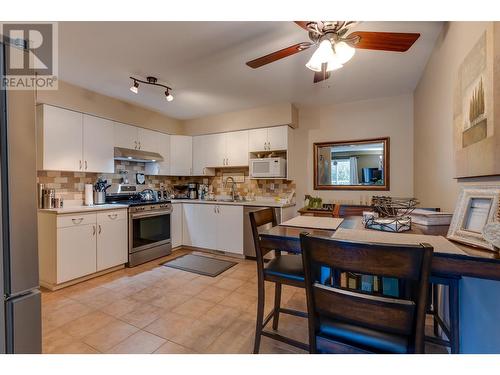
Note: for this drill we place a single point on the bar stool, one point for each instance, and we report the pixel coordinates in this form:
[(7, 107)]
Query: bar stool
[(283, 269)]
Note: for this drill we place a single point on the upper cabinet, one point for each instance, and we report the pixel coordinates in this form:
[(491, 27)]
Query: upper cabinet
[(148, 140), (219, 150), (268, 139), (70, 141), (98, 139), (133, 137), (161, 145), (181, 155)]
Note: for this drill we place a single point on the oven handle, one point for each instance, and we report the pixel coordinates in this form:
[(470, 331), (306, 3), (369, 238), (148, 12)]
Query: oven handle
[(150, 214)]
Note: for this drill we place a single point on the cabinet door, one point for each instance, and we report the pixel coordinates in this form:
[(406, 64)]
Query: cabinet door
[(181, 155), (76, 252), (125, 135), (163, 148), (278, 138), (237, 148), (98, 145), (215, 149), (199, 155), (176, 222), (112, 241), (257, 139), (230, 228), (60, 136), (148, 140), (199, 225)]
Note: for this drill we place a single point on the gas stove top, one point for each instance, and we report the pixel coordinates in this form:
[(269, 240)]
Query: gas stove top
[(133, 200), (132, 195)]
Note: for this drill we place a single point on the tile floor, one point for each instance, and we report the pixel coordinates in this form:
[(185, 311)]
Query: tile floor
[(156, 309)]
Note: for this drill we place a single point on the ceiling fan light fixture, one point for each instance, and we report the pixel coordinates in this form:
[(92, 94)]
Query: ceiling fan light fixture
[(135, 87), (343, 52), (323, 54)]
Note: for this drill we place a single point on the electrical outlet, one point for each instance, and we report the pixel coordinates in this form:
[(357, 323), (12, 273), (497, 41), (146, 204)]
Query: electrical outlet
[(272, 186)]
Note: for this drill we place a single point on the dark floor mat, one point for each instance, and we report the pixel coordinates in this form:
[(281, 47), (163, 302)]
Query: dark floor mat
[(200, 264)]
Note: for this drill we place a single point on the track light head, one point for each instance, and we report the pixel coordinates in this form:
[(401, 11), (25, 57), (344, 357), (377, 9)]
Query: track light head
[(169, 96), (135, 87)]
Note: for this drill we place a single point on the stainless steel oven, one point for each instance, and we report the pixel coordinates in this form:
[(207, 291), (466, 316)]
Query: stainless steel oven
[(149, 232)]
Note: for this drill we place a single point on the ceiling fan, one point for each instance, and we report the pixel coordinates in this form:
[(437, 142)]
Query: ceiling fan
[(335, 48)]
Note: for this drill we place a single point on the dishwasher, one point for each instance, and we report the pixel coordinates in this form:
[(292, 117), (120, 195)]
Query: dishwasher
[(248, 244)]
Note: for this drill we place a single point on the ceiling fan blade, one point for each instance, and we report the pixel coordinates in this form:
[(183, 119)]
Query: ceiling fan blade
[(285, 52), (397, 42), (321, 76), (302, 24)]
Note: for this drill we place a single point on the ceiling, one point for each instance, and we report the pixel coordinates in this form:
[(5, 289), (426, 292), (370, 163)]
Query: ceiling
[(204, 62)]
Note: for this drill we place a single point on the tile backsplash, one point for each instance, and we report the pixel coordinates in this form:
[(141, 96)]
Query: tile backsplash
[(70, 185)]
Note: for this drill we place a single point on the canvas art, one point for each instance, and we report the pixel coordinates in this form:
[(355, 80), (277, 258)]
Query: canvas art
[(475, 133)]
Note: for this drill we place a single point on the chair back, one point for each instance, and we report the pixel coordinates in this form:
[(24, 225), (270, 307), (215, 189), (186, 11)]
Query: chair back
[(258, 219), (344, 210), (405, 315)]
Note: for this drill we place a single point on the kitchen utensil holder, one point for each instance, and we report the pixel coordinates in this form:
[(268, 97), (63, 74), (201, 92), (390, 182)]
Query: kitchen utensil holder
[(99, 197)]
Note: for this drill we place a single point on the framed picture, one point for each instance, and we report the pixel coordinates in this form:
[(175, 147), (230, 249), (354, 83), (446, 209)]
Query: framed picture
[(476, 207)]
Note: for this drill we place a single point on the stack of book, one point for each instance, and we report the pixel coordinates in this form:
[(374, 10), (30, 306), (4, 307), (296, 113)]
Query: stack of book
[(427, 217)]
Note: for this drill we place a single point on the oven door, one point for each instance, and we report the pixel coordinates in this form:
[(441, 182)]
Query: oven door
[(148, 230)]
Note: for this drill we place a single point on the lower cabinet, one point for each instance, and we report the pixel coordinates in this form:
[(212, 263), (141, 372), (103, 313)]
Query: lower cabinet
[(176, 224), (212, 226), (71, 246)]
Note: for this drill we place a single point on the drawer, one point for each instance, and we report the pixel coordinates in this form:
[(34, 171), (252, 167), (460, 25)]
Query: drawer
[(116, 215), (75, 220)]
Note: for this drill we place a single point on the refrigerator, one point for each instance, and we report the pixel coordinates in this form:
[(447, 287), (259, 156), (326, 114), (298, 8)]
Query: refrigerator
[(20, 298)]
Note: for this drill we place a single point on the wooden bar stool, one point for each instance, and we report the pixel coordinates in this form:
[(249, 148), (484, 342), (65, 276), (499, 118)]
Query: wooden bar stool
[(283, 269), (345, 321)]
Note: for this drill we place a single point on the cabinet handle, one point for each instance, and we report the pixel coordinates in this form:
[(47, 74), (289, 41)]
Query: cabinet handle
[(85, 164), (113, 216), (139, 145), (100, 229), (80, 165), (215, 209), (77, 221), (93, 230), (135, 142)]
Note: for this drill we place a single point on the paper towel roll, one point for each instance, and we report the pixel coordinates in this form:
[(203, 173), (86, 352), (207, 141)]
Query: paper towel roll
[(89, 195)]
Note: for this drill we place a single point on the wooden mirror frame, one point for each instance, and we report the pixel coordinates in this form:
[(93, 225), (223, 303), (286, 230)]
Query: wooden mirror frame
[(384, 187)]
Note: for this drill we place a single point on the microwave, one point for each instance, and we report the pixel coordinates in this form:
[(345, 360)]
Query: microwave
[(268, 168)]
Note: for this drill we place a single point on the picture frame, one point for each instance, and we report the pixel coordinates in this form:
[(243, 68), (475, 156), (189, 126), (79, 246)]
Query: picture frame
[(476, 207)]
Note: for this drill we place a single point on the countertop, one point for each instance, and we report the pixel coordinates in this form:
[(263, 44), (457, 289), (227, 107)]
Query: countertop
[(256, 203), (75, 209)]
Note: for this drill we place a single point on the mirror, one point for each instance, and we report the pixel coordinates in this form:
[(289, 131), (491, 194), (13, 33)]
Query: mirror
[(352, 165)]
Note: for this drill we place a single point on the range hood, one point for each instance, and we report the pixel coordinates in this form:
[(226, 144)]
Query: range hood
[(137, 155)]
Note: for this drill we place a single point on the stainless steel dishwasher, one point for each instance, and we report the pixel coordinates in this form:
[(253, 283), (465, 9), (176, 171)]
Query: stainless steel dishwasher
[(248, 245)]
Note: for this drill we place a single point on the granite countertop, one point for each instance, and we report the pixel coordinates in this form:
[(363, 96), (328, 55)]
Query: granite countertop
[(256, 203), (75, 209)]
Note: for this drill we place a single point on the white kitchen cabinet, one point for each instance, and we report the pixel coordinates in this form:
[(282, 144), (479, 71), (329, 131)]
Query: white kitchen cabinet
[(112, 239), (98, 140), (229, 224), (268, 139), (76, 252), (125, 135), (212, 226), (148, 140), (59, 139), (199, 226), (163, 148), (237, 148), (176, 224), (181, 155), (76, 245)]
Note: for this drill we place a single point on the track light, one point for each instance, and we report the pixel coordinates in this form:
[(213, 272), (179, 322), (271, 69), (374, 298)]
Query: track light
[(151, 81), (135, 87)]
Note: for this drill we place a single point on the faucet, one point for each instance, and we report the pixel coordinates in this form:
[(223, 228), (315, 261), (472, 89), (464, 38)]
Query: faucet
[(233, 186)]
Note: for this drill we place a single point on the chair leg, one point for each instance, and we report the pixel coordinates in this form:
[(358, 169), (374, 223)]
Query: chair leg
[(454, 316), (435, 303), (277, 305), (260, 316)]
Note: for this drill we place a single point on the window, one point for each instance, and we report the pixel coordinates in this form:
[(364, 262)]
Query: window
[(341, 172)]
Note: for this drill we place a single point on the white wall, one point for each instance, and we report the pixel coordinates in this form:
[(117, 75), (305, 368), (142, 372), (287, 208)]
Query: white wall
[(392, 117)]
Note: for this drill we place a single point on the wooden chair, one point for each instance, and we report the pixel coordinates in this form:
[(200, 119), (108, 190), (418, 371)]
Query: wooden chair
[(283, 269), (345, 321), (344, 210)]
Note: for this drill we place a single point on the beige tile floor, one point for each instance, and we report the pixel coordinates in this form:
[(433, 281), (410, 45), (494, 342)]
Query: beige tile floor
[(156, 309)]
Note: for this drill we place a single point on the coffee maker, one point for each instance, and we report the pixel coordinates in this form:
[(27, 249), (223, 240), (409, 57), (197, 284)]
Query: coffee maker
[(193, 190)]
